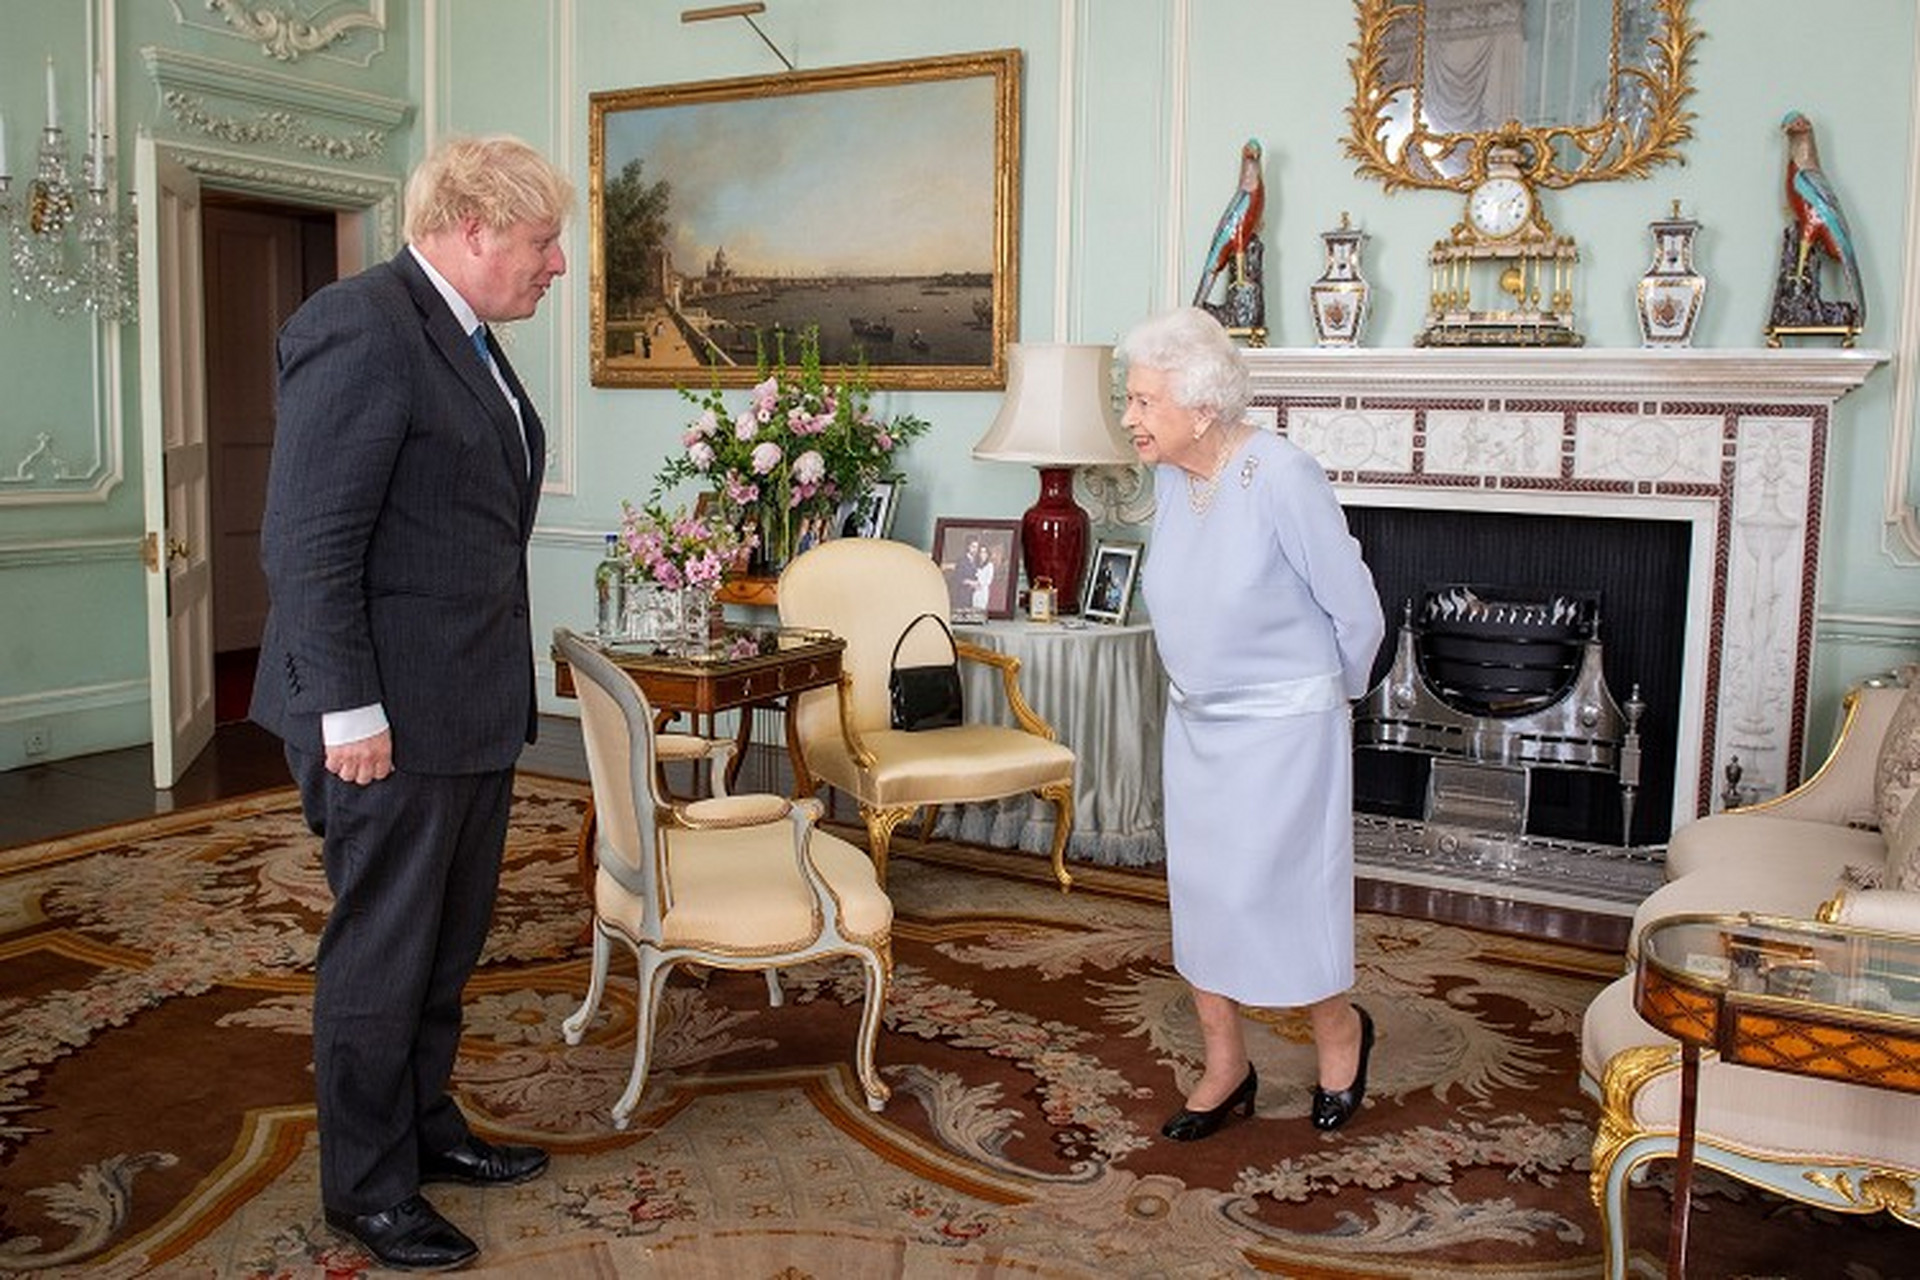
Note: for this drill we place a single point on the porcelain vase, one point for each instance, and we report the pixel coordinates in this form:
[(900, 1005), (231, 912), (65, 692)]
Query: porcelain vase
[(1340, 296), (1671, 292)]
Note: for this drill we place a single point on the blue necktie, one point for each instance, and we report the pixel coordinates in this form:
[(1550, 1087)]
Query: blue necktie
[(479, 336)]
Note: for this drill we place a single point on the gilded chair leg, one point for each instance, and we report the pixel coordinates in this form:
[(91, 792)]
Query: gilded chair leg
[(872, 1010), (880, 825), (1061, 794), (575, 1027)]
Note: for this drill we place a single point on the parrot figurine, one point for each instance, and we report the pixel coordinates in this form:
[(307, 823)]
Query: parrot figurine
[(1239, 223), (1817, 219)]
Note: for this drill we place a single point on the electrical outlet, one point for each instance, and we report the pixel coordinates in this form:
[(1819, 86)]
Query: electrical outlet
[(39, 740)]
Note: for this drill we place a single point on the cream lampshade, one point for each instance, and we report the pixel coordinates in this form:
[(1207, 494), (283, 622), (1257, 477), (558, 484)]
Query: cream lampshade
[(1058, 414)]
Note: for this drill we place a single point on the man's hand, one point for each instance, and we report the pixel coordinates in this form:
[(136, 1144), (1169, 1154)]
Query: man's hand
[(362, 762)]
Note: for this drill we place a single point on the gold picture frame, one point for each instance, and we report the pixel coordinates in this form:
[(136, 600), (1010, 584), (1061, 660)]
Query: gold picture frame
[(877, 204)]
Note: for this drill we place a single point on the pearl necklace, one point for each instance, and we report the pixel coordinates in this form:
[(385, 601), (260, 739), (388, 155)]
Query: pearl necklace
[(1201, 493)]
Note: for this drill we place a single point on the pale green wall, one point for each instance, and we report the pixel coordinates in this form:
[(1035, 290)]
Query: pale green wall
[(1142, 144)]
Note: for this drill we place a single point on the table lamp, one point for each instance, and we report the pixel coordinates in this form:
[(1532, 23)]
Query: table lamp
[(1058, 415)]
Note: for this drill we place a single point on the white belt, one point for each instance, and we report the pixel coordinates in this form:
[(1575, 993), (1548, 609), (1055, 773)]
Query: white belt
[(1304, 696)]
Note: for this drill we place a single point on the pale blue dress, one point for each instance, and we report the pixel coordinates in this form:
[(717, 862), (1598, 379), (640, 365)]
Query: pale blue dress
[(1267, 621)]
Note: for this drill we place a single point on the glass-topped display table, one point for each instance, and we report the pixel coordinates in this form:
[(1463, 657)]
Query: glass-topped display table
[(1831, 1001)]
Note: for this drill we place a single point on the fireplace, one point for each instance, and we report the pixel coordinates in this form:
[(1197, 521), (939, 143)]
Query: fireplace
[(1684, 487), (1630, 579)]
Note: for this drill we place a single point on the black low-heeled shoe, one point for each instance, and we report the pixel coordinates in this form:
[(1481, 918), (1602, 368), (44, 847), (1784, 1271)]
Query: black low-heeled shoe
[(1334, 1107), (1191, 1126)]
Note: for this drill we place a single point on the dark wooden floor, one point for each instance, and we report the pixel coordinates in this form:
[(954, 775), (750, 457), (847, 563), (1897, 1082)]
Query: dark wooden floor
[(41, 802)]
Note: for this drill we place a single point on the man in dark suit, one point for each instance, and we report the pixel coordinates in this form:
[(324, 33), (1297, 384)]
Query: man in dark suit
[(397, 664)]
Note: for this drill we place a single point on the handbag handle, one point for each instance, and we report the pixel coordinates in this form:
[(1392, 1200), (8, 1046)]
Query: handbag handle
[(894, 661)]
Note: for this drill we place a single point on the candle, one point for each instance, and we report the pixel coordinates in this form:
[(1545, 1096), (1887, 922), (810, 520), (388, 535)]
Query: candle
[(97, 123), (53, 103)]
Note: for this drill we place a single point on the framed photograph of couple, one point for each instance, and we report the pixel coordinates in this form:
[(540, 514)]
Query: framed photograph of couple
[(1110, 581), (981, 562), (877, 205)]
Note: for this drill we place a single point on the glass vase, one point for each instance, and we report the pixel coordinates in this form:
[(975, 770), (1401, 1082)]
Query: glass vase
[(699, 615), (652, 615)]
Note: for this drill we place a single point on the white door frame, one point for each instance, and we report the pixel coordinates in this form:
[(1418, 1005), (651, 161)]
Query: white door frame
[(179, 608), (173, 465)]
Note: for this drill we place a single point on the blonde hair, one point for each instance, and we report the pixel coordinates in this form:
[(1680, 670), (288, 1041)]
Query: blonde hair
[(1205, 369), (500, 180)]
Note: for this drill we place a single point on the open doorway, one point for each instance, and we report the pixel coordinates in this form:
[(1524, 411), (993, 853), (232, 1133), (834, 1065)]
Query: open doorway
[(261, 260)]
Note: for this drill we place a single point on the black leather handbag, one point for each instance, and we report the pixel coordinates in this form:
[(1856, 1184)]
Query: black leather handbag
[(924, 697)]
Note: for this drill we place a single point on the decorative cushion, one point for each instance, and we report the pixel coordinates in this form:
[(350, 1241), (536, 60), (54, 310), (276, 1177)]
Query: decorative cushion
[(1903, 858), (1897, 779)]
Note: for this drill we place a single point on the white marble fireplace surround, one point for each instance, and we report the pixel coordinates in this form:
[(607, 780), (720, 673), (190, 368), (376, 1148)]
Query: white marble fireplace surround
[(1732, 442)]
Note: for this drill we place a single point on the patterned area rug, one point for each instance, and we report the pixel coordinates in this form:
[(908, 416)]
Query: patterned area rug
[(156, 1103)]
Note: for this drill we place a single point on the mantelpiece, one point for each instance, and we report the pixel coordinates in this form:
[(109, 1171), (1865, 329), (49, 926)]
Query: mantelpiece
[(1733, 442)]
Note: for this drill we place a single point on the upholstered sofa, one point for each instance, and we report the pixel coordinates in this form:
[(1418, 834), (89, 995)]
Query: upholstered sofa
[(1839, 848)]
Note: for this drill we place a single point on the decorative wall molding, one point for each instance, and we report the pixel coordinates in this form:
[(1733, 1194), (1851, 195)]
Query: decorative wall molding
[(254, 107), (38, 553), (1901, 527), (286, 30), (49, 463), (53, 465), (1732, 443), (54, 704), (374, 194)]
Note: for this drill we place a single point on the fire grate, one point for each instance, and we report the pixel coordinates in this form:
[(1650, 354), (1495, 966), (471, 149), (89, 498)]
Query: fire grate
[(1508, 679)]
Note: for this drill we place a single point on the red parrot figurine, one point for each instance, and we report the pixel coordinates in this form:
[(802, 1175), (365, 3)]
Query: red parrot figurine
[(1238, 224)]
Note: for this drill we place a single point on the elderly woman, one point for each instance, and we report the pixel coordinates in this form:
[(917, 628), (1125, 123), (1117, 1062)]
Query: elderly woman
[(1267, 621)]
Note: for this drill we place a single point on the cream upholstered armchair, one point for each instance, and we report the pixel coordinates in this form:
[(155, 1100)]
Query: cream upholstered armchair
[(866, 591), (731, 882), (1832, 849)]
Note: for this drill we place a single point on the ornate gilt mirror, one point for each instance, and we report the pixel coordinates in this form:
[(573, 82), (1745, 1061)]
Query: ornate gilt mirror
[(1584, 90)]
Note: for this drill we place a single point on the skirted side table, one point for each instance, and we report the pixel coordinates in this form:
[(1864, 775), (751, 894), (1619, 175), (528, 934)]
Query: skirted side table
[(1104, 692)]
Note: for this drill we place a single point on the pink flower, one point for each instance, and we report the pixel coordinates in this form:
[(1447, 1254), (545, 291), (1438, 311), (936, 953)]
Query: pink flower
[(700, 454), (809, 468), (766, 456), (741, 492), (746, 426), (765, 397)]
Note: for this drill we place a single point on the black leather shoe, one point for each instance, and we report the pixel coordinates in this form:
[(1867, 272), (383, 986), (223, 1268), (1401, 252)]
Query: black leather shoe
[(1334, 1107), (411, 1236), (478, 1163), (1191, 1126)]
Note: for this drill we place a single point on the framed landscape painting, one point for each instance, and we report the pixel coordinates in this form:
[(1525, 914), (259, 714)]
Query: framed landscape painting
[(877, 205)]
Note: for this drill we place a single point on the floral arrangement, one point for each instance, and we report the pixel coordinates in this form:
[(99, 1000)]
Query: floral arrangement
[(801, 445), (679, 550)]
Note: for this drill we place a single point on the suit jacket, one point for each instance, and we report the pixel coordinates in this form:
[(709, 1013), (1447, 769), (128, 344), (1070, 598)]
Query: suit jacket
[(399, 505)]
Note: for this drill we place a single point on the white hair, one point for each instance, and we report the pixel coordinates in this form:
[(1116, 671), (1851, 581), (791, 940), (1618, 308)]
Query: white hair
[(1205, 370)]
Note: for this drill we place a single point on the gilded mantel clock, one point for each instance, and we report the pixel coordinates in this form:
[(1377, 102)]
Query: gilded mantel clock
[(1503, 276)]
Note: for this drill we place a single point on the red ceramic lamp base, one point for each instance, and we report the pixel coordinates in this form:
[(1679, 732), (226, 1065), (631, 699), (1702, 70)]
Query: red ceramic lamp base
[(1053, 538)]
